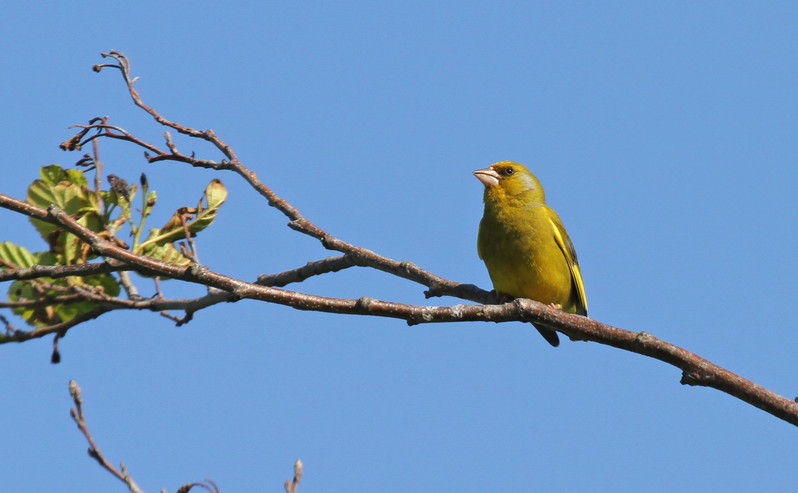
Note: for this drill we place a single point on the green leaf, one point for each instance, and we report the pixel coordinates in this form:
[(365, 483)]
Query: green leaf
[(167, 253), (108, 282), (46, 258), (52, 174), (39, 315), (15, 256), (76, 177), (68, 189), (196, 219), (215, 195)]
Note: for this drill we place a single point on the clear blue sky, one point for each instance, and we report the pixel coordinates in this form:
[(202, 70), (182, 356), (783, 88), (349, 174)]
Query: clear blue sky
[(664, 133)]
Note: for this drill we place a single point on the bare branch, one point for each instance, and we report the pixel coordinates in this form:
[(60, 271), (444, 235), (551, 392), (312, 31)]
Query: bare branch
[(101, 128), (96, 454), (190, 253), (131, 290), (315, 268), (58, 271), (9, 328), (98, 166), (123, 65), (45, 300), (59, 328), (208, 485), (107, 304), (94, 451)]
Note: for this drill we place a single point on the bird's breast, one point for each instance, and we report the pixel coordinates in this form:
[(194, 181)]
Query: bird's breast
[(522, 256)]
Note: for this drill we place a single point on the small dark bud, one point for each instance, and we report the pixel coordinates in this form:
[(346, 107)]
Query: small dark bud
[(119, 186)]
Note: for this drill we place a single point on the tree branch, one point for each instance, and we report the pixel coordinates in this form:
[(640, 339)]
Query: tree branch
[(57, 271), (695, 370), (94, 451), (59, 328)]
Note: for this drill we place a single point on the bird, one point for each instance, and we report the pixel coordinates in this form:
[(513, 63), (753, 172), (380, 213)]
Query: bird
[(524, 244)]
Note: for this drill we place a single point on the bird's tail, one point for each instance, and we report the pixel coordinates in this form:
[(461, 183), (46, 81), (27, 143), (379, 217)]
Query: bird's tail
[(548, 334)]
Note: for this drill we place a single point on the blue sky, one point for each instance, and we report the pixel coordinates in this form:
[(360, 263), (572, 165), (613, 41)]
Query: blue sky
[(663, 132)]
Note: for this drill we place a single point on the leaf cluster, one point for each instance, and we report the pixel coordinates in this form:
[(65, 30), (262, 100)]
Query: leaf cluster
[(106, 212)]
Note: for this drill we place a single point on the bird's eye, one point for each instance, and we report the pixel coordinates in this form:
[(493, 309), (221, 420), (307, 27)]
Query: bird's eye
[(508, 171)]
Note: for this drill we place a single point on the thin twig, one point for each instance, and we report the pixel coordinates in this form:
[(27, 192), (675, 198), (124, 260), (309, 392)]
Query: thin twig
[(10, 329), (130, 289), (58, 271), (208, 485), (290, 485), (314, 268), (46, 300), (59, 328), (98, 171), (94, 450), (192, 254)]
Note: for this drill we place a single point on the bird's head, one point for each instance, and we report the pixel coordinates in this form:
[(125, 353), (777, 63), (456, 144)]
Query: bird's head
[(509, 180)]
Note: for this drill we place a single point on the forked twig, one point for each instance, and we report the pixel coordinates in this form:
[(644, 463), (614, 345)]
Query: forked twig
[(94, 451)]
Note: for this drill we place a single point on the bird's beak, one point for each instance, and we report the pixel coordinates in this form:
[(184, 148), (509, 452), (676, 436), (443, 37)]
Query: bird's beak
[(487, 176)]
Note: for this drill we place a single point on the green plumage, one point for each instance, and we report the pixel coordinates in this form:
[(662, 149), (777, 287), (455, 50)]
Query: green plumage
[(524, 244)]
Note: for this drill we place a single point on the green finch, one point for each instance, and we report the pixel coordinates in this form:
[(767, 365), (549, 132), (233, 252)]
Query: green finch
[(524, 245)]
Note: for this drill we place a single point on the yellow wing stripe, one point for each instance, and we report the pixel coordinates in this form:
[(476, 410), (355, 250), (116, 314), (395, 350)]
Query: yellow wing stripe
[(573, 266)]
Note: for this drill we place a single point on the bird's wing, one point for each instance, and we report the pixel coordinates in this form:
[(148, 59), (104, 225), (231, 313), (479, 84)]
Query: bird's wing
[(564, 242)]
